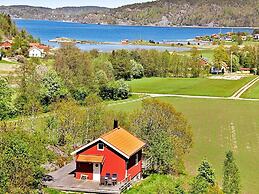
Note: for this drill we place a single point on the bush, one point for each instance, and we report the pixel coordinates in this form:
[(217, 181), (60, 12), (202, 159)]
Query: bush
[(116, 90)]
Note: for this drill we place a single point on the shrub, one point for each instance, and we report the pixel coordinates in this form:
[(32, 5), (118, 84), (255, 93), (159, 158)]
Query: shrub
[(116, 90)]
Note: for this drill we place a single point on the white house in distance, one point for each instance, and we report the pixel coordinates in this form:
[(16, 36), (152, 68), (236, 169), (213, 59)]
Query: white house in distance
[(36, 52)]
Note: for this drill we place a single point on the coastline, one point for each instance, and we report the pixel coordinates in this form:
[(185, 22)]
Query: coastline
[(128, 25)]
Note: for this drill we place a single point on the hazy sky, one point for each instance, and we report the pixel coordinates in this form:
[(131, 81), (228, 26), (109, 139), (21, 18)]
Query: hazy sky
[(62, 3)]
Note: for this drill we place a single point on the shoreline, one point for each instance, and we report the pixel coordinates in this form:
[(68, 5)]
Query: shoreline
[(128, 25)]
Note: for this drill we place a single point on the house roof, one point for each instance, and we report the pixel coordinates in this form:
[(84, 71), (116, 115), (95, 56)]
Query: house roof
[(90, 158), (120, 140), (6, 44), (123, 141)]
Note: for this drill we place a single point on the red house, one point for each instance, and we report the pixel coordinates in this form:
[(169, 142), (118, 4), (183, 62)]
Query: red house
[(117, 153), (6, 45)]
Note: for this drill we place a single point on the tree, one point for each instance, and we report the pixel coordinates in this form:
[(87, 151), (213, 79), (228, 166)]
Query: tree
[(29, 76), (121, 64), (20, 45), (205, 171), (231, 177), (166, 132), (70, 122), (205, 179), (7, 109), (115, 90), (195, 62), (21, 157), (220, 56), (137, 70), (52, 88)]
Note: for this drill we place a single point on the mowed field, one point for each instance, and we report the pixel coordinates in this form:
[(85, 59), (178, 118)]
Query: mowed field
[(218, 126), (252, 92), (188, 86)]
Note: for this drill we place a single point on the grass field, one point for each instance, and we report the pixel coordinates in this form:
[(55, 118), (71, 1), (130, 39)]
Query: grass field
[(252, 92), (206, 53), (188, 86), (220, 125)]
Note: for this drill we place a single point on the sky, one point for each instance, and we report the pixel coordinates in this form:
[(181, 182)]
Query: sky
[(62, 3)]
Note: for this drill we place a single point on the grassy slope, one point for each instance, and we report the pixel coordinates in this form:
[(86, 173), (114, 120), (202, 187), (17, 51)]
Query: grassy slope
[(252, 92), (188, 86), (157, 184), (220, 125)]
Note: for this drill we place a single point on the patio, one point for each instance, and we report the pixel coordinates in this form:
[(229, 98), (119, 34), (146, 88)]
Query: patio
[(64, 180)]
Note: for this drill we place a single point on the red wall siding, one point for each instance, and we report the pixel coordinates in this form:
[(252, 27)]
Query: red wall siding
[(114, 163), (133, 168), (85, 169)]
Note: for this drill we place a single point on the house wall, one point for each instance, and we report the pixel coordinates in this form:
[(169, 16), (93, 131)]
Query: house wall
[(35, 53), (133, 167), (84, 169), (114, 163)]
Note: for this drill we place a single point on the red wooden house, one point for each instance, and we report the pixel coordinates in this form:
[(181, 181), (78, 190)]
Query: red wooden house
[(117, 153)]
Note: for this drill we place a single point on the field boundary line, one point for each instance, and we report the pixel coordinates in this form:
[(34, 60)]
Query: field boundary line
[(197, 97)]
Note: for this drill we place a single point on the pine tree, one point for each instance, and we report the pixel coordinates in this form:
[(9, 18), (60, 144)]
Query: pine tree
[(231, 177)]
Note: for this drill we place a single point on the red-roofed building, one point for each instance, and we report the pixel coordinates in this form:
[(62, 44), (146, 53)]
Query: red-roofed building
[(115, 155), (6, 45)]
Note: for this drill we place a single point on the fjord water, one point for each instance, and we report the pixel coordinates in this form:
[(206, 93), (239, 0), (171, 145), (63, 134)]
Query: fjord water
[(47, 30)]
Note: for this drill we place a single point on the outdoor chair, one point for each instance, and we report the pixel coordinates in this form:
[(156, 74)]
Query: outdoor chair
[(102, 181), (114, 179), (109, 182), (107, 176)]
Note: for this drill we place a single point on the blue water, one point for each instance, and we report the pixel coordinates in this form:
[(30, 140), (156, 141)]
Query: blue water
[(47, 30)]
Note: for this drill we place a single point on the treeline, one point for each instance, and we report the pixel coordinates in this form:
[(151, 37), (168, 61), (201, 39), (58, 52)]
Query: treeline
[(77, 74), (245, 57)]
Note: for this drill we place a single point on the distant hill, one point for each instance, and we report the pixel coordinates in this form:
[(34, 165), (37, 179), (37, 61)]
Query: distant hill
[(157, 13)]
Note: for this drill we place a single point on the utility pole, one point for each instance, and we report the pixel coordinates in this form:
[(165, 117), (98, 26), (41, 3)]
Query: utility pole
[(231, 61)]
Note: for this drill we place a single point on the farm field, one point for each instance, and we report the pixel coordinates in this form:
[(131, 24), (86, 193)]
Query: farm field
[(188, 86), (252, 92), (220, 125)]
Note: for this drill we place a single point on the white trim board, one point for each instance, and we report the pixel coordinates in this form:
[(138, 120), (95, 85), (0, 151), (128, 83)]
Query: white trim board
[(105, 142)]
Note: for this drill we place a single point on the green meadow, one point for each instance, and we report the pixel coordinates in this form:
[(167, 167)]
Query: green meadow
[(252, 92), (188, 86), (218, 126)]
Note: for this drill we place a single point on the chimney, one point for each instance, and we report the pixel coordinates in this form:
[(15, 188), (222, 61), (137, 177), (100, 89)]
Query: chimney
[(115, 124)]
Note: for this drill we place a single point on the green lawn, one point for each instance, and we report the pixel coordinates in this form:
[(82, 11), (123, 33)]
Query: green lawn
[(220, 125), (6, 62), (188, 86), (206, 53), (252, 92)]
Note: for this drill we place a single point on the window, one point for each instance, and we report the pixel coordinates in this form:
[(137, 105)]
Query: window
[(136, 160), (100, 146)]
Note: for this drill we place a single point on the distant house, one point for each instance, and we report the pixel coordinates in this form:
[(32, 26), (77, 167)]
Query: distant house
[(36, 52), (256, 36), (6, 45), (116, 155), (126, 41)]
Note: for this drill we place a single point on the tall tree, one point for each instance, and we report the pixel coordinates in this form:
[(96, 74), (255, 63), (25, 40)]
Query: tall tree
[(205, 179), (231, 177), (6, 106), (166, 132)]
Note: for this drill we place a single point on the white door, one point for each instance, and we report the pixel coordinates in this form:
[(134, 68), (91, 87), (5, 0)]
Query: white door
[(96, 172)]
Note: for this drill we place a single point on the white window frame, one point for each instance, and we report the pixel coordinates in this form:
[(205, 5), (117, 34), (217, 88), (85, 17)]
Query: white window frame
[(99, 148)]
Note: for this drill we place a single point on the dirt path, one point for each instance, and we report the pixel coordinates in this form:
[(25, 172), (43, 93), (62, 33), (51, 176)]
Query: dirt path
[(242, 90)]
